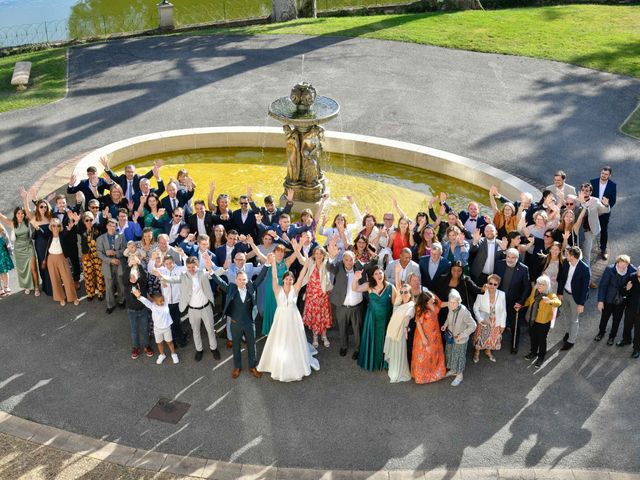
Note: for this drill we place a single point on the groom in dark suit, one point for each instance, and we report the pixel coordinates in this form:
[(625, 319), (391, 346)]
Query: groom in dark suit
[(238, 305)]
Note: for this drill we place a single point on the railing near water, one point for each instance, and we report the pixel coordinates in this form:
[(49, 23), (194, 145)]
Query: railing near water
[(85, 23)]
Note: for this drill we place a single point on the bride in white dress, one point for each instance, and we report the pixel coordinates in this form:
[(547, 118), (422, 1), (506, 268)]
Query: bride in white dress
[(287, 355)]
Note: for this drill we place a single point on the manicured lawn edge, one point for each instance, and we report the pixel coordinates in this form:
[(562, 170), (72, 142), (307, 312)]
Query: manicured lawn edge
[(631, 126)]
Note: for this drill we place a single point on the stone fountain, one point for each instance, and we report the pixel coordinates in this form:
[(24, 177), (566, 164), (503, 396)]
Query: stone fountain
[(302, 113)]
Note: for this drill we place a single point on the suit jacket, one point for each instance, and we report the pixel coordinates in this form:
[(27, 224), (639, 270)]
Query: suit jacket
[(83, 186), (610, 191), (595, 208), (231, 290), (165, 225), (270, 218), (482, 306), (339, 291), (209, 222), (480, 222), (481, 252), (435, 284), (519, 288), (138, 194), (249, 227), (119, 245), (390, 272), (183, 198), (221, 252), (612, 283), (566, 190), (579, 282), (186, 287), (122, 181), (250, 269)]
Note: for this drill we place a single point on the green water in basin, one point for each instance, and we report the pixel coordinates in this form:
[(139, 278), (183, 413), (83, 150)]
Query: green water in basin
[(371, 182)]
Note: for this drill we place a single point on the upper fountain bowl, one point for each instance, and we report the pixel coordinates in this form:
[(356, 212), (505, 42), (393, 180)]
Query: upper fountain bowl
[(303, 108)]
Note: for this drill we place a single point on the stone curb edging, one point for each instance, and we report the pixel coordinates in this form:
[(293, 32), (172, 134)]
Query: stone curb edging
[(213, 469), (419, 156)]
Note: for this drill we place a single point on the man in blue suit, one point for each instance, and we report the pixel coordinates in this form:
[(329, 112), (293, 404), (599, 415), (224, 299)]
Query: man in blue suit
[(283, 227), (130, 180), (92, 187), (238, 306), (434, 270), (244, 219), (573, 290), (177, 198), (516, 286), (604, 187), (226, 253)]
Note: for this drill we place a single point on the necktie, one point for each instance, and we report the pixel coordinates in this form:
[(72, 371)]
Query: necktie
[(173, 203), (129, 193)]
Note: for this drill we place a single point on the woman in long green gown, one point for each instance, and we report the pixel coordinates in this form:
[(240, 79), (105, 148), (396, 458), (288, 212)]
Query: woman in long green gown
[(382, 295), (23, 251)]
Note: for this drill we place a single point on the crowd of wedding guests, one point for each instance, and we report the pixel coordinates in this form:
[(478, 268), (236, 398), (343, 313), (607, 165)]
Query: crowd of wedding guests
[(410, 294)]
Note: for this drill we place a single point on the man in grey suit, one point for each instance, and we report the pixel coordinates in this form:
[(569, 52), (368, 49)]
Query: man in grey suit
[(347, 304), (408, 266), (196, 298), (110, 247), (486, 251)]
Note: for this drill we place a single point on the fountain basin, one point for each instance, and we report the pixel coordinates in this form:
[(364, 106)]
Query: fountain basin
[(479, 175)]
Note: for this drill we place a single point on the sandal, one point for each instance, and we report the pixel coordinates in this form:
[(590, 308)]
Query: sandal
[(27, 291), (491, 357), (76, 302), (315, 341), (325, 341), (476, 357), (36, 293), (3, 293), (63, 303), (7, 290)]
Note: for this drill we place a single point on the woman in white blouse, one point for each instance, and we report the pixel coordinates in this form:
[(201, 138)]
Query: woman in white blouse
[(490, 310), (57, 262)]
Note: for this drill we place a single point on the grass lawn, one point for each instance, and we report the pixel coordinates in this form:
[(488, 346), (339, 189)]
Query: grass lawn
[(632, 125), (47, 82), (601, 37)]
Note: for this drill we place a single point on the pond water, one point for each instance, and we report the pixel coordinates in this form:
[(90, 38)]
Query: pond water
[(371, 182)]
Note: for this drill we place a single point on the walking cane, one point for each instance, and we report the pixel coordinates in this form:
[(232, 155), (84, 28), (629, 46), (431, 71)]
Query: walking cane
[(515, 330)]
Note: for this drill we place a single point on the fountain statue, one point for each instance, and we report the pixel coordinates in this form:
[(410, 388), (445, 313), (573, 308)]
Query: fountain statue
[(302, 112)]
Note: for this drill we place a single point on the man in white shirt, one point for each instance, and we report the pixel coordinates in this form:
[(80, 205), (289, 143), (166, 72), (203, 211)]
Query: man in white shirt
[(196, 298), (406, 264)]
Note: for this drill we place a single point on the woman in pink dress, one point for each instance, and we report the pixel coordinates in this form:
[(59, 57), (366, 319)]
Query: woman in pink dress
[(317, 309)]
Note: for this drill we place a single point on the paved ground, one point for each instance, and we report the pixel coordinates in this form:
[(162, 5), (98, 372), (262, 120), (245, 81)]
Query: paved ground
[(70, 367)]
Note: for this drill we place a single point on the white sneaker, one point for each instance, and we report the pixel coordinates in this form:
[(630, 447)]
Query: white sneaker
[(456, 381), (161, 359), (174, 357)]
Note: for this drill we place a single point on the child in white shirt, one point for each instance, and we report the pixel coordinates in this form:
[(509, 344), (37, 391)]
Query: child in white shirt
[(161, 324)]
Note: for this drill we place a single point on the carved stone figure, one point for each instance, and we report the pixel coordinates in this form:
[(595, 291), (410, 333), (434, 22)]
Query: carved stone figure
[(311, 153), (293, 155)]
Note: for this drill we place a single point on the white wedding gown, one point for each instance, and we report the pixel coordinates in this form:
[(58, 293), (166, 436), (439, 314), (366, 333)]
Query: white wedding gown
[(287, 355)]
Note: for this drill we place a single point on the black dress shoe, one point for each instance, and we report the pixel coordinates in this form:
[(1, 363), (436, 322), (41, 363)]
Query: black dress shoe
[(622, 343), (598, 337), (198, 355), (567, 346), (514, 350), (109, 310), (216, 354), (343, 352), (530, 356), (355, 355), (566, 337), (122, 305), (635, 354), (183, 344), (89, 299), (610, 341), (538, 363)]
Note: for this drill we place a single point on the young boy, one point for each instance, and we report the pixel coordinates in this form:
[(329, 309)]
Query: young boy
[(161, 324)]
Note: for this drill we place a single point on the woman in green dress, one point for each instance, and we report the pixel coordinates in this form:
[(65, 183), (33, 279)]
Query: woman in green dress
[(151, 210), (282, 266), (23, 251), (382, 295)]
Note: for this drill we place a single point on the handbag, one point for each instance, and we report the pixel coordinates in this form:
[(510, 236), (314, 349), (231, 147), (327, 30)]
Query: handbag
[(448, 337)]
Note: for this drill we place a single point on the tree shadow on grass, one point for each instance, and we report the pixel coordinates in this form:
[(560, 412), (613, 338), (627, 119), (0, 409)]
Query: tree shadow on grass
[(617, 54)]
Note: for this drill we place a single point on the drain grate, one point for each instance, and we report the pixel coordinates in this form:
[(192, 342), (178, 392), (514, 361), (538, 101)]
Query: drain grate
[(168, 411)]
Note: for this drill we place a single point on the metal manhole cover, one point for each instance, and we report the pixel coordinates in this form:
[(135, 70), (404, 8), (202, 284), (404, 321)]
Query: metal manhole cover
[(168, 411)]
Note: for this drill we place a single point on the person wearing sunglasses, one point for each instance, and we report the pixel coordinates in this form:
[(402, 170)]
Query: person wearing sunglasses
[(91, 264), (243, 220), (490, 310), (170, 226), (57, 262), (543, 304)]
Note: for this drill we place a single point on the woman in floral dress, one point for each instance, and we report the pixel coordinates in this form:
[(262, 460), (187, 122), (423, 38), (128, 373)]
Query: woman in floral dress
[(427, 357), (317, 308), (491, 314)]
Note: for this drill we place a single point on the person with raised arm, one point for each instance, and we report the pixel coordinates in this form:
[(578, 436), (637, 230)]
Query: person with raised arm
[(287, 355)]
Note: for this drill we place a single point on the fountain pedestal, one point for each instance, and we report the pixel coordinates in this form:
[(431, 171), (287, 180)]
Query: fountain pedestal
[(302, 113)]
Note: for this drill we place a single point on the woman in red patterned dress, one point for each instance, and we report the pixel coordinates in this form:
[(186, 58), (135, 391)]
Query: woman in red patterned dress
[(427, 358), (317, 309)]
